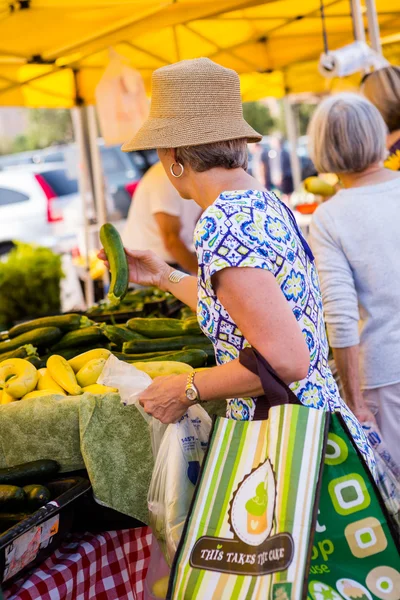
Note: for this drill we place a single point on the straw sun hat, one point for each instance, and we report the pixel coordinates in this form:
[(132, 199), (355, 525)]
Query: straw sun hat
[(193, 102)]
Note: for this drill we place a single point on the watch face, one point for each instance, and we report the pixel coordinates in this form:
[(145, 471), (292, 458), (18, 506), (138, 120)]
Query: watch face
[(191, 394)]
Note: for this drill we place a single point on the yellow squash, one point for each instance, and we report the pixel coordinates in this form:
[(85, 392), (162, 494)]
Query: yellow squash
[(80, 361), (5, 398), (17, 377), (46, 382), (160, 588), (42, 394), (90, 372), (316, 185), (62, 373), (161, 368), (97, 388)]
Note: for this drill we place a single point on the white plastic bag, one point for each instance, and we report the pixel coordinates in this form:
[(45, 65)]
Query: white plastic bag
[(121, 101), (130, 383), (175, 475)]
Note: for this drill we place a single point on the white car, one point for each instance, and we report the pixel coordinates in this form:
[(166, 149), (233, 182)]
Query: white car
[(41, 204)]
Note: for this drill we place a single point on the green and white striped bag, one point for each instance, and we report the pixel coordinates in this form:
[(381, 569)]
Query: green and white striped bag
[(286, 509), (254, 510)]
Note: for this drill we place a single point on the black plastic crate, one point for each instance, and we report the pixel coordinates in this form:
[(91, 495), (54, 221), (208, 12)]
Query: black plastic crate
[(35, 538)]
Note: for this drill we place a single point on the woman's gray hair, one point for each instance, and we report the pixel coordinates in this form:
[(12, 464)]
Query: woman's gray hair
[(347, 135), (230, 154)]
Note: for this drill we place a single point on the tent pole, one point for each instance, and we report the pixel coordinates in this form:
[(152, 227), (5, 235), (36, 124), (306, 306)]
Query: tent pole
[(359, 30), (98, 179), (84, 191), (292, 139), (373, 26)]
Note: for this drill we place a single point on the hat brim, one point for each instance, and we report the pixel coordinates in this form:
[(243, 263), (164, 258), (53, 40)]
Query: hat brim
[(175, 132)]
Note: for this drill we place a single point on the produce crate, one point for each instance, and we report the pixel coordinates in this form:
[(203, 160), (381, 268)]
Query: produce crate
[(32, 540)]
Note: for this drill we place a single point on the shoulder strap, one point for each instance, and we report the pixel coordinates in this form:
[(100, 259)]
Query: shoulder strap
[(275, 390)]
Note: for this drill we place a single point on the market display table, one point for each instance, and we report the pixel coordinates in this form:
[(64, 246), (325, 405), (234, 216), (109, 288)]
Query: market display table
[(108, 566)]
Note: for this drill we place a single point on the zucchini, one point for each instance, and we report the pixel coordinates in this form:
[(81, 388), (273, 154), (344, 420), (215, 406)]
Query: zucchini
[(156, 328), (8, 520), (158, 345), (21, 352), (63, 322), (118, 262), (209, 350), (36, 362), (37, 470), (191, 326), (36, 496), (89, 336), (4, 336), (140, 357), (195, 357), (69, 353), (11, 496), (43, 337), (118, 334)]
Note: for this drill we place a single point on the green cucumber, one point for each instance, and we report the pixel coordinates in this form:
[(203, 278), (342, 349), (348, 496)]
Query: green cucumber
[(209, 350), (157, 328), (36, 496), (140, 357), (118, 334), (11, 496), (37, 470), (63, 322), (36, 362), (8, 520), (162, 344), (191, 326), (118, 262), (195, 357), (43, 337), (80, 337), (22, 352)]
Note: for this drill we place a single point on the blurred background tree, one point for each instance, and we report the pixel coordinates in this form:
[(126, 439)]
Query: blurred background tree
[(46, 127), (258, 115)]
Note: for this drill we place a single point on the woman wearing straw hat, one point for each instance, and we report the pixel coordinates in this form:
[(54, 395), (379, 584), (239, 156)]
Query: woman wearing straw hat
[(257, 284)]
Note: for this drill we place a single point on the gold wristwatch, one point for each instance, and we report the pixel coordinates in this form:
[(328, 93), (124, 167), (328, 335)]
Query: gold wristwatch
[(191, 391)]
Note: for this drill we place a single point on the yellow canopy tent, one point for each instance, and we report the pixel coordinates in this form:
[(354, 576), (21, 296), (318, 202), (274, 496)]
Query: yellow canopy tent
[(53, 52)]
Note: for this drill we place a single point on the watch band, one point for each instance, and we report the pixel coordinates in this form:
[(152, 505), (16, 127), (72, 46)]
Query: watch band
[(176, 276), (191, 389)]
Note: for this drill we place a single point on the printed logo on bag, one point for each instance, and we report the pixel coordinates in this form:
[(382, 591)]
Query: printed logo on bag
[(251, 517)]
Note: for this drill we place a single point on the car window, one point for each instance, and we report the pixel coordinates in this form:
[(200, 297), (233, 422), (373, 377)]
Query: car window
[(61, 184), (53, 157), (8, 196), (112, 163)]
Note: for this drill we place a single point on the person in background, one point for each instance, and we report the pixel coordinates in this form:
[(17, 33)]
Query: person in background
[(159, 220), (382, 88), (355, 238), (266, 167)]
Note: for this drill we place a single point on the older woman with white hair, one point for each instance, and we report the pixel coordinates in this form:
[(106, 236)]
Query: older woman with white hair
[(355, 237)]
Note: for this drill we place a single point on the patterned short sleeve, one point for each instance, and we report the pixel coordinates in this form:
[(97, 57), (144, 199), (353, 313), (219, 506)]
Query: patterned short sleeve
[(231, 236)]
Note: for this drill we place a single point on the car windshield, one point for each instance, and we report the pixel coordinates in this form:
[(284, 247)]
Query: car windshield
[(59, 181)]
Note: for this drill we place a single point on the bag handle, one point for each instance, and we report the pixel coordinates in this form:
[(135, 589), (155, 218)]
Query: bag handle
[(275, 390)]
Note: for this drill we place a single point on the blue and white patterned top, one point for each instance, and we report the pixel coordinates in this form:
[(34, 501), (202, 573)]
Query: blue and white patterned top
[(254, 229)]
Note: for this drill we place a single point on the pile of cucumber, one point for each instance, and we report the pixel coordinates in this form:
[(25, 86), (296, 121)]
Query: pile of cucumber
[(146, 339), (140, 339), (22, 491)]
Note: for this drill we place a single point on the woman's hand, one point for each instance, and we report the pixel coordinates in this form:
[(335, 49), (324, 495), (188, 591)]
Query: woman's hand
[(165, 398), (145, 268)]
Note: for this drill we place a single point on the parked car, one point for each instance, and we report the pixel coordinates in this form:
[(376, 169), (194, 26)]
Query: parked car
[(40, 203)]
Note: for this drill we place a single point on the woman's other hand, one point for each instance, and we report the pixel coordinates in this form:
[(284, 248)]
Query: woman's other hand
[(165, 398), (364, 415), (145, 268)]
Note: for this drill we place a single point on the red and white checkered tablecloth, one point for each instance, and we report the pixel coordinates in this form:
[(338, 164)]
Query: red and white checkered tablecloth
[(107, 566)]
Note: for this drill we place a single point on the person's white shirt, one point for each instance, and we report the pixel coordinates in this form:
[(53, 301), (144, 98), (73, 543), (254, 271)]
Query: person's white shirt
[(156, 194)]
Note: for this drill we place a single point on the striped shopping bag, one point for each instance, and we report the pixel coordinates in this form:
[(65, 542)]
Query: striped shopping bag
[(285, 509), (254, 510)]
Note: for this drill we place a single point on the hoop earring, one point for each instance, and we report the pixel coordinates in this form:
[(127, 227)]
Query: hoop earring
[(172, 169)]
